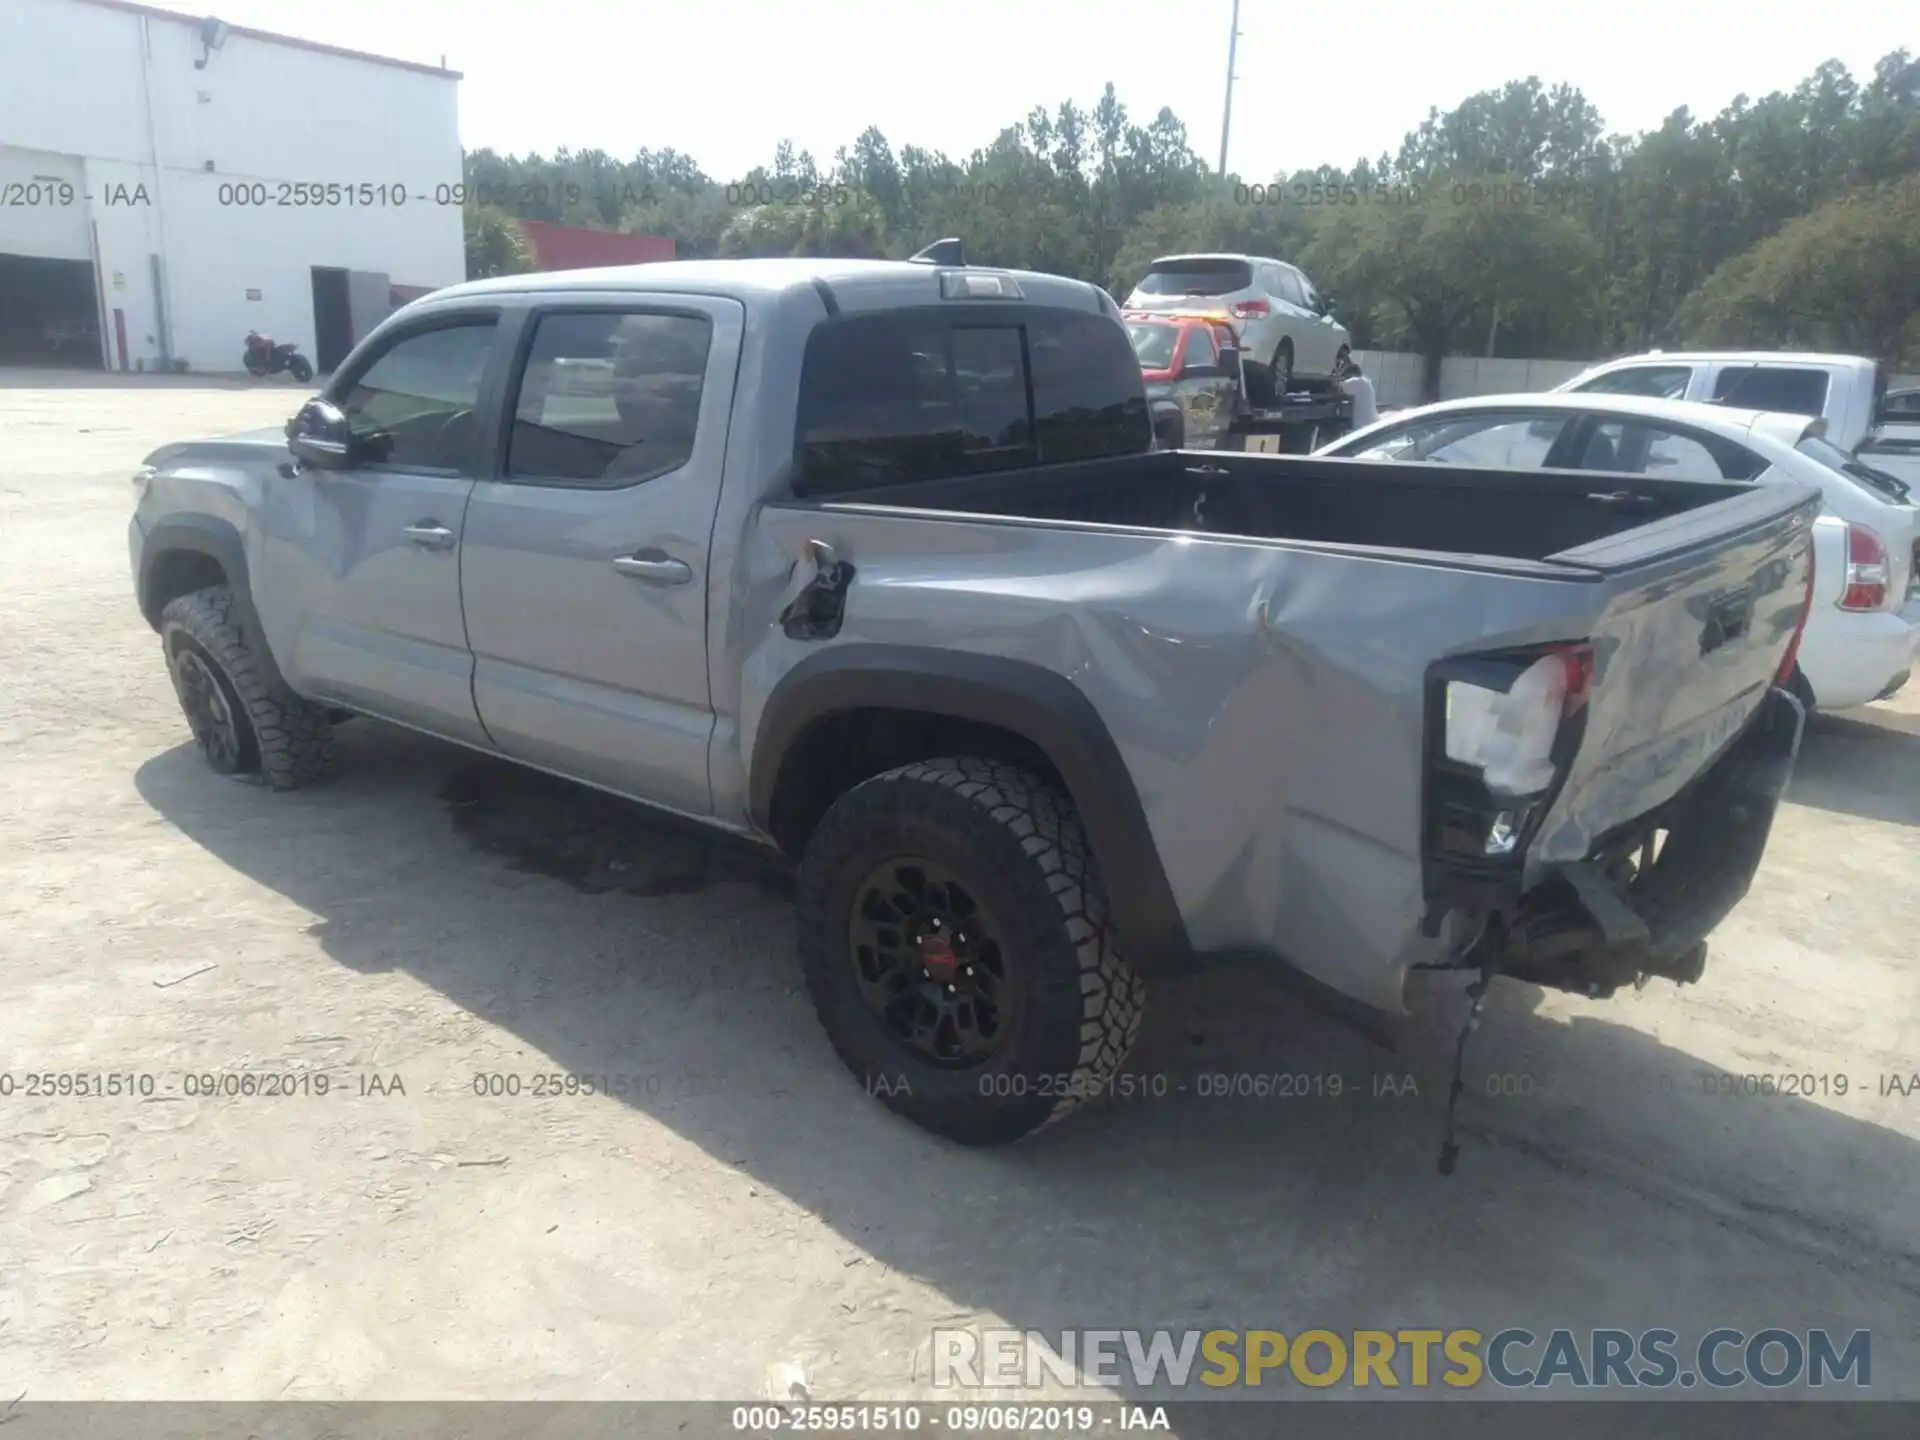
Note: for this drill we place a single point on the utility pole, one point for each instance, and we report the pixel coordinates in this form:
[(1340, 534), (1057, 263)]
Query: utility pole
[(1226, 118)]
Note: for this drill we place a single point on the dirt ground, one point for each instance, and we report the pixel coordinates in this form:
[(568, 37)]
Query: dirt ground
[(429, 919)]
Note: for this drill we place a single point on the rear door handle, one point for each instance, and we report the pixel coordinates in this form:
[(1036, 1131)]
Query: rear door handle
[(655, 567), (429, 535)]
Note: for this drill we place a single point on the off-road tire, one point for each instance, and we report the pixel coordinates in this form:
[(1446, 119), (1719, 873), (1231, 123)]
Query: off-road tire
[(285, 741), (1019, 843)]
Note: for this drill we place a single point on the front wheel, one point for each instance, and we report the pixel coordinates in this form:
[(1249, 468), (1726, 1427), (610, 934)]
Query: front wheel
[(297, 365), (255, 365), (243, 717), (956, 943)]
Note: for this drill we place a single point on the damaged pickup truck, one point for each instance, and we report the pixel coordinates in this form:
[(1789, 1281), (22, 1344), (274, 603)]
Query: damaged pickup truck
[(876, 563)]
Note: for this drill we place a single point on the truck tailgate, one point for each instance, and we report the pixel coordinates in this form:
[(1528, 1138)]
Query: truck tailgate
[(1700, 611)]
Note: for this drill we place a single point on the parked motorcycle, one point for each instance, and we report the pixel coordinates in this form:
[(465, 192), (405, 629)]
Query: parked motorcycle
[(263, 357)]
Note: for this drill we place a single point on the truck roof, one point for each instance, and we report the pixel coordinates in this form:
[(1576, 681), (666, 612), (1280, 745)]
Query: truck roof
[(1742, 357), (855, 284)]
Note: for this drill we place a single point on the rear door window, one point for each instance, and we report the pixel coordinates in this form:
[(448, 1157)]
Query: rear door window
[(1633, 447), (1284, 283), (608, 399), (929, 394), (1088, 401), (1196, 277), (1788, 389)]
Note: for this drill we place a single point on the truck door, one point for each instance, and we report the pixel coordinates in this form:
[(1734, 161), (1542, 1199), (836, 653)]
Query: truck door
[(584, 563), (357, 581)]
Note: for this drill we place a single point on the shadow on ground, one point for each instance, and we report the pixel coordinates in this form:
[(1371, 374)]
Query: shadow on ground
[(1603, 1181), (1865, 762)]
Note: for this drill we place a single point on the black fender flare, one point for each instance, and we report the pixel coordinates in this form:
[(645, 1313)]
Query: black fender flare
[(207, 535), (1026, 699)]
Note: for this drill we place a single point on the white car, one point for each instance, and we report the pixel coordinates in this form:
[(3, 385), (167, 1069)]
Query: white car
[(1863, 633), (1286, 327)]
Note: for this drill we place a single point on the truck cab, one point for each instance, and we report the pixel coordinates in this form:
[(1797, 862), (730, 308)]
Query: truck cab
[(1848, 392)]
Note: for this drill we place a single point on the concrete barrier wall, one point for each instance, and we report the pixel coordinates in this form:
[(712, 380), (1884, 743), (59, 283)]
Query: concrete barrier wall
[(1396, 376)]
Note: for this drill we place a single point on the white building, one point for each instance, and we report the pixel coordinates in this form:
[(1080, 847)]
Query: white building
[(169, 183)]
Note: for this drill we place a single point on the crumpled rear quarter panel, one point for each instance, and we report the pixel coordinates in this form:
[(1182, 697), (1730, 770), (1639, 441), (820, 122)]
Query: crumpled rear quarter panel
[(1278, 761)]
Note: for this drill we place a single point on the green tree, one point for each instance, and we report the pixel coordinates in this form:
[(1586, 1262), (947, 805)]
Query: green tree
[(495, 243), (1846, 277), (1439, 275), (1578, 241)]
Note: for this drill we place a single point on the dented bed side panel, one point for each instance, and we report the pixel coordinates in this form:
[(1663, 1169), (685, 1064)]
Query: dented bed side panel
[(1268, 701)]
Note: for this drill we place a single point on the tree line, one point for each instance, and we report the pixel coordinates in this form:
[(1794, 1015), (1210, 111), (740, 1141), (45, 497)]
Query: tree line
[(1513, 224)]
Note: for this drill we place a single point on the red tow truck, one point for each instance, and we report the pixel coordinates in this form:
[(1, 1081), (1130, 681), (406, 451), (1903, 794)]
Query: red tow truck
[(1191, 362)]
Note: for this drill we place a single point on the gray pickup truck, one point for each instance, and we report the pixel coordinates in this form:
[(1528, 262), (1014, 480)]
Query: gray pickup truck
[(876, 563)]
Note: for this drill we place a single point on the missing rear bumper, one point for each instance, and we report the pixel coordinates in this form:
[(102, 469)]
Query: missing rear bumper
[(1646, 900)]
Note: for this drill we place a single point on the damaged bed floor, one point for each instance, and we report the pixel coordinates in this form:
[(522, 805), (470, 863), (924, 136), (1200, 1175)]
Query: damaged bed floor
[(743, 1207)]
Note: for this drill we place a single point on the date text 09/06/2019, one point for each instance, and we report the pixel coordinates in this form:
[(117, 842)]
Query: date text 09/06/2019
[(1009, 1419)]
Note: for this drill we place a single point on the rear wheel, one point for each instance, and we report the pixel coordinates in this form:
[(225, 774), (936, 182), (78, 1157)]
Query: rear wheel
[(300, 369), (955, 940), (1280, 373)]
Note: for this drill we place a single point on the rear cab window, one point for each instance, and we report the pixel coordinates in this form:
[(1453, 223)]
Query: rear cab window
[(933, 393), (1196, 277), (1790, 390)]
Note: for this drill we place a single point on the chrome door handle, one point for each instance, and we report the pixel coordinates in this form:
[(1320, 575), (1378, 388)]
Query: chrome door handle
[(655, 568), (429, 536)]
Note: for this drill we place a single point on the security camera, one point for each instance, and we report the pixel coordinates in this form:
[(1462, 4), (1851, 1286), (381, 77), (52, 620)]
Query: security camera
[(213, 34)]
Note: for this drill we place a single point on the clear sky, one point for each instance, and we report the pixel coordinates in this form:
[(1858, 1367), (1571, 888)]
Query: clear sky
[(724, 80)]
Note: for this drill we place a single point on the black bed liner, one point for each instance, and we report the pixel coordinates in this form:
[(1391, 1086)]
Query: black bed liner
[(1426, 507)]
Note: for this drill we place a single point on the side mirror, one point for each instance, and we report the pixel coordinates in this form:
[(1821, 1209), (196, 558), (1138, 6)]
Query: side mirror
[(319, 436)]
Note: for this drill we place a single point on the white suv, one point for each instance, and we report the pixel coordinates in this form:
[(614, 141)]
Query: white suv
[(1286, 328)]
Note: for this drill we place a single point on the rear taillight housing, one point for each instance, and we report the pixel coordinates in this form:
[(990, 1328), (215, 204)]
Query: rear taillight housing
[(1251, 310), (1503, 730), (1864, 586)]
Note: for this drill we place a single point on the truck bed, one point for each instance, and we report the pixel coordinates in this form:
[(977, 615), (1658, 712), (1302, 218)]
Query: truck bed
[(1426, 508), (1258, 633)]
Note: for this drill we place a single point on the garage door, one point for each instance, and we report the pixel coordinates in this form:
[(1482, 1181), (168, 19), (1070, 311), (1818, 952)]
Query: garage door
[(43, 206)]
